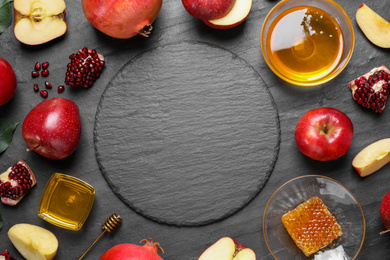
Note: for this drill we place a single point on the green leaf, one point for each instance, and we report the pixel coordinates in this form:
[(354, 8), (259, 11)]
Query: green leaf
[(7, 128), (5, 14)]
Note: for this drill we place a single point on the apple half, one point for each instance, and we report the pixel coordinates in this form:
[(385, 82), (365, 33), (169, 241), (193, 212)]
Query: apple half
[(236, 16), (376, 29), (227, 248), (39, 21), (372, 158), (33, 242)]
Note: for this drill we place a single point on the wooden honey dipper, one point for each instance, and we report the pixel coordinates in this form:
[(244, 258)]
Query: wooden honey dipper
[(109, 225)]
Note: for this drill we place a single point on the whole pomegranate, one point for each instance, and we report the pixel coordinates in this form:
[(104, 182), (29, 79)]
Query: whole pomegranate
[(122, 19), (7, 81), (134, 252)]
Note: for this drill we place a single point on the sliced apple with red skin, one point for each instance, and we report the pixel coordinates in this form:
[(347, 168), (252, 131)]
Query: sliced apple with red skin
[(236, 16), (375, 27), (227, 248), (372, 158), (39, 21)]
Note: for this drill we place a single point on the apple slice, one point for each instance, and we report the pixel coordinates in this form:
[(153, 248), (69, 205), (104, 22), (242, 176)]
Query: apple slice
[(33, 242), (376, 29), (372, 158), (236, 16), (227, 248), (39, 21)]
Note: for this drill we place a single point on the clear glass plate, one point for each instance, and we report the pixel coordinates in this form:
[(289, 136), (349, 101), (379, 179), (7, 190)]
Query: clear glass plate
[(340, 202)]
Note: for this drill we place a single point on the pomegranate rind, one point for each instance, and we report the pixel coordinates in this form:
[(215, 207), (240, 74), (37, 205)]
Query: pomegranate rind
[(13, 202), (377, 88)]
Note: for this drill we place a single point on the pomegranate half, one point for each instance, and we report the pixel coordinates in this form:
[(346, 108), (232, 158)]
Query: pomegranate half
[(149, 251), (122, 19), (15, 182)]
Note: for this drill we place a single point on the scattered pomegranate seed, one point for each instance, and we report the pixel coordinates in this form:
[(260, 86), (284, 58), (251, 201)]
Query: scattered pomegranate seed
[(48, 85), (34, 74), (37, 66), (84, 68), (371, 89), (60, 89), (44, 93), (36, 87), (45, 73), (45, 65)]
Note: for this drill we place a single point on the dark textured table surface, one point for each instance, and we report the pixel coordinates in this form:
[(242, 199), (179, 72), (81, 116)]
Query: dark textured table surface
[(175, 25)]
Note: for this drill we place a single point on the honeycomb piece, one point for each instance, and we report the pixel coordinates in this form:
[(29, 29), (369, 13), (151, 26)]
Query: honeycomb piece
[(311, 225)]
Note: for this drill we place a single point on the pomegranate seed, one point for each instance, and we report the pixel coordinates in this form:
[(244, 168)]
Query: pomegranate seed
[(34, 74), (45, 65), (44, 93), (37, 66), (48, 85), (60, 89), (36, 87), (45, 73)]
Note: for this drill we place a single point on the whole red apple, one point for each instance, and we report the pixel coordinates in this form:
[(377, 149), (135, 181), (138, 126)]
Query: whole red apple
[(208, 9), (385, 212), (53, 128), (7, 82), (324, 134), (122, 19)]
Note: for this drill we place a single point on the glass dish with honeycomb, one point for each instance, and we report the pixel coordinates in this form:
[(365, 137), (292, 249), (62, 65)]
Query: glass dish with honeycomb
[(298, 199)]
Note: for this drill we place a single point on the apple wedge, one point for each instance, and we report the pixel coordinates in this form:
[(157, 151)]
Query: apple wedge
[(376, 29), (33, 242), (372, 158), (236, 16), (39, 21), (227, 248)]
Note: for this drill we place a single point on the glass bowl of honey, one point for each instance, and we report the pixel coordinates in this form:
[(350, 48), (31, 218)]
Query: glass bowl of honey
[(66, 201), (339, 203), (307, 42)]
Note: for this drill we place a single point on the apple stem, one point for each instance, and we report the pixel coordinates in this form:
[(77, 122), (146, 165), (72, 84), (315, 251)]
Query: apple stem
[(384, 232), (32, 149)]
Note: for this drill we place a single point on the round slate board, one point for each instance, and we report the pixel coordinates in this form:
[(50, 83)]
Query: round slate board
[(186, 134)]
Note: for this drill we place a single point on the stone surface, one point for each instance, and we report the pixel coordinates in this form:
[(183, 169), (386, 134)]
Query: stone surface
[(174, 24)]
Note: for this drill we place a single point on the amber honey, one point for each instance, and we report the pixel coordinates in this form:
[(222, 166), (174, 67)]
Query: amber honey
[(66, 201), (304, 43), (311, 225)]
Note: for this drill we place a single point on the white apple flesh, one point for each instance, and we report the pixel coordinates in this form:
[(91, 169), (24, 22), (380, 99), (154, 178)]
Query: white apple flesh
[(376, 29), (227, 248), (33, 242), (39, 21), (236, 16), (372, 158)]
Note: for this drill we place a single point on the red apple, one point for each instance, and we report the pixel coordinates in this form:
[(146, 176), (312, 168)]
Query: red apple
[(236, 16), (122, 19), (227, 248), (208, 9), (53, 128), (384, 210), (7, 82), (324, 134)]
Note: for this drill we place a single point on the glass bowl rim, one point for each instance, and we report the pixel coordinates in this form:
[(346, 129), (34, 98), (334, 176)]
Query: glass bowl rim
[(318, 176), (324, 79)]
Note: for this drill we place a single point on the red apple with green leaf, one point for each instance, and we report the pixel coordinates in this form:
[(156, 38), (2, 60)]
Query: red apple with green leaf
[(324, 134), (8, 82), (227, 248), (53, 128)]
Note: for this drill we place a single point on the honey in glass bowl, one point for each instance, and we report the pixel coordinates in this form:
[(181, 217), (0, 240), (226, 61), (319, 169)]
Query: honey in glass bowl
[(305, 43), (66, 201)]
